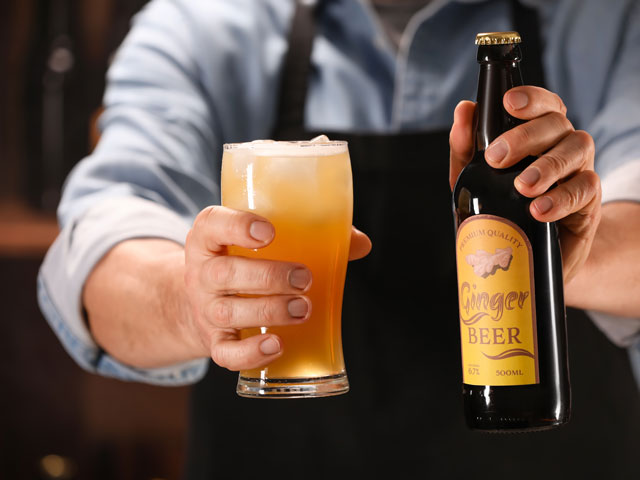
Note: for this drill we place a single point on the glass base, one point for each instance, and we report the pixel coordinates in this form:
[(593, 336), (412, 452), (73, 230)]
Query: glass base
[(293, 387), (501, 430)]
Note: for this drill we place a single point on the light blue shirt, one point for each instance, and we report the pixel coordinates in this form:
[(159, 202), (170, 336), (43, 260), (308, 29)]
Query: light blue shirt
[(194, 74)]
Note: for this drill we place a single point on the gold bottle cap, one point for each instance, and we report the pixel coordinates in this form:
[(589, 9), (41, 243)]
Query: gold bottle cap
[(498, 38)]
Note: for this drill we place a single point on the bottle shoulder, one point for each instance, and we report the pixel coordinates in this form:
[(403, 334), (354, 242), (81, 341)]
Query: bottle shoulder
[(482, 189)]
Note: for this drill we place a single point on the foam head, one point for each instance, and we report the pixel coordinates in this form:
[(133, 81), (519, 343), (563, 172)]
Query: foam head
[(317, 147)]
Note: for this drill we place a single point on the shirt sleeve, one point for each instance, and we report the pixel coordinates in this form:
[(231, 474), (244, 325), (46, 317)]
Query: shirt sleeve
[(616, 126), (156, 166), (80, 245), (597, 77), (176, 91), (616, 131)]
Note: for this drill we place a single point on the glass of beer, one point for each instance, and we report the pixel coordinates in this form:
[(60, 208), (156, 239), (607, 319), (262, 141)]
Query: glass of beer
[(305, 190)]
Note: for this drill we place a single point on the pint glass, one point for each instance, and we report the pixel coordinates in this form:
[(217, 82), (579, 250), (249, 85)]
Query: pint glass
[(305, 190)]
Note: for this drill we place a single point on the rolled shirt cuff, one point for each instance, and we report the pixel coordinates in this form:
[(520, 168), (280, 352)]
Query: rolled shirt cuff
[(79, 247), (622, 184)]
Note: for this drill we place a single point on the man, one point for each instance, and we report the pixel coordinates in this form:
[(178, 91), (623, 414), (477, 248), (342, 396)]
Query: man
[(194, 75)]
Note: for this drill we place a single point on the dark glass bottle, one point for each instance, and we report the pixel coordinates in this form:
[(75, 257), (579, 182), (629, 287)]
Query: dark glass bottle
[(510, 285)]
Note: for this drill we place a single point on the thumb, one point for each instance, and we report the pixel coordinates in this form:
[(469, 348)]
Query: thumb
[(461, 139), (360, 244)]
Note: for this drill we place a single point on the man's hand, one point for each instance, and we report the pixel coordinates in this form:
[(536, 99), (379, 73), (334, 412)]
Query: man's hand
[(151, 303), (228, 293), (565, 158)]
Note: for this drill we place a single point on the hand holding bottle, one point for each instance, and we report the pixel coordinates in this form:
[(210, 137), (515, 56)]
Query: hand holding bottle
[(565, 158)]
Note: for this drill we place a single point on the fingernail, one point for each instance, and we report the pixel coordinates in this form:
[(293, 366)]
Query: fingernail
[(517, 100), (262, 231), (543, 204), (496, 151), (530, 176), (270, 346), (299, 278), (298, 308)]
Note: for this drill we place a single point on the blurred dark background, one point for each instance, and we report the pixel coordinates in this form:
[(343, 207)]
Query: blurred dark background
[(54, 58), (57, 421)]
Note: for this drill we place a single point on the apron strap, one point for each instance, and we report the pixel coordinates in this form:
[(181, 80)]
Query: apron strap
[(527, 25), (297, 63), (296, 71)]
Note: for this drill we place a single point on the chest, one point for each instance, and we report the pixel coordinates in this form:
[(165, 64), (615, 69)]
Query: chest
[(414, 86)]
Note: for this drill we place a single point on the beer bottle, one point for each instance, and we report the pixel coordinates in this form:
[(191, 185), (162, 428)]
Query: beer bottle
[(510, 286)]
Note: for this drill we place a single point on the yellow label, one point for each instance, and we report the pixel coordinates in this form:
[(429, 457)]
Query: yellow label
[(497, 303)]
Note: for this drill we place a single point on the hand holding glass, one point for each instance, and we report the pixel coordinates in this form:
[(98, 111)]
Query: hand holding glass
[(305, 190)]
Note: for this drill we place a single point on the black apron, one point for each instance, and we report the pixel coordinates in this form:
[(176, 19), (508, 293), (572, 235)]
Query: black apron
[(403, 416)]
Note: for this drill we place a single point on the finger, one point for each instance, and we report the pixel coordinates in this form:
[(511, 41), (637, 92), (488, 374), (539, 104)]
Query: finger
[(230, 274), (251, 352), (360, 244), (528, 102), (578, 194), (245, 312), (461, 139), (217, 227), (578, 230), (574, 153), (531, 138)]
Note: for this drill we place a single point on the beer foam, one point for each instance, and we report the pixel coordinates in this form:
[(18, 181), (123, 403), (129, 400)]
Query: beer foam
[(317, 147)]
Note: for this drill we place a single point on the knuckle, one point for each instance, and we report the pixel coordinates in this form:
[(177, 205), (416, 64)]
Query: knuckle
[(584, 190), (221, 272), (573, 198), (222, 312), (593, 181), (266, 312), (561, 122), (203, 217), (561, 106), (234, 227), (520, 136), (585, 140), (553, 162), (269, 274), (220, 356), (212, 213)]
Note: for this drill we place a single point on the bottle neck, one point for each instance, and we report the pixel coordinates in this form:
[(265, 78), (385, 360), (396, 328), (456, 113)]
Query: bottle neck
[(496, 77)]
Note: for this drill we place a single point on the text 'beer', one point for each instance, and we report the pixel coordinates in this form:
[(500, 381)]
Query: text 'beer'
[(512, 314)]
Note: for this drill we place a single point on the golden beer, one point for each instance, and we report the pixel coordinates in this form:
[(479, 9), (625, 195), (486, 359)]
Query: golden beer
[(305, 190)]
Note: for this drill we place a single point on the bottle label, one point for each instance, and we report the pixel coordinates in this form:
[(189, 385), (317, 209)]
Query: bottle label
[(497, 303)]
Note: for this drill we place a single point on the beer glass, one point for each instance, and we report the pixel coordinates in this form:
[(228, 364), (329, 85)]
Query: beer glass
[(305, 190)]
